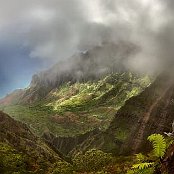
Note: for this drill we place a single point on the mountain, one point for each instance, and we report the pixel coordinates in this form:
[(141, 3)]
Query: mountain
[(149, 112), (21, 151), (81, 67), (68, 106), (79, 94), (75, 108), (84, 103)]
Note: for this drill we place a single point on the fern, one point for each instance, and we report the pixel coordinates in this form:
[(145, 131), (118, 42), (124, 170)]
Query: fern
[(130, 172), (169, 142), (142, 168), (141, 171), (140, 157), (142, 165), (159, 145)]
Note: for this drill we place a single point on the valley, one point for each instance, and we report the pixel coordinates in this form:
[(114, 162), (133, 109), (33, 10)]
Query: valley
[(76, 108), (105, 119)]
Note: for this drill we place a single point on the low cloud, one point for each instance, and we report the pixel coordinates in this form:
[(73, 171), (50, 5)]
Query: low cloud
[(56, 29)]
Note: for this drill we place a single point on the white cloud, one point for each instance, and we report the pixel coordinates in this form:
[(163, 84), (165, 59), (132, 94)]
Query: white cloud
[(42, 14)]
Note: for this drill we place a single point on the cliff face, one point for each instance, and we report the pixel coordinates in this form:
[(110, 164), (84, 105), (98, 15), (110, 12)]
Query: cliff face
[(152, 111), (66, 144)]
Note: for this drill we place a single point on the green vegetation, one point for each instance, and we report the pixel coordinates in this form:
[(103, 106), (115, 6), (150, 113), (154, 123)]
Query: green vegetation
[(159, 145), (77, 108), (92, 160), (151, 163), (62, 168), (11, 161), (15, 162), (69, 110)]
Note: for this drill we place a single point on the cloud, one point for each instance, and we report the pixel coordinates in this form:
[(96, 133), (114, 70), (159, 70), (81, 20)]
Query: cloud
[(56, 29)]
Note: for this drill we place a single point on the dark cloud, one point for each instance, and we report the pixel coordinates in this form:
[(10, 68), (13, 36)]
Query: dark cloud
[(56, 29)]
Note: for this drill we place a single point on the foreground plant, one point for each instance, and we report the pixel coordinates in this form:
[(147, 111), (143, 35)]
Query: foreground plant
[(150, 164)]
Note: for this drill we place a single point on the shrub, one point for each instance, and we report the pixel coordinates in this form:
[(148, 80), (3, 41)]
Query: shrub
[(11, 161), (92, 160), (62, 168)]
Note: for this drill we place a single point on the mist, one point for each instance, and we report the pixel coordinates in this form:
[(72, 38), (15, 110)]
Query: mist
[(54, 30)]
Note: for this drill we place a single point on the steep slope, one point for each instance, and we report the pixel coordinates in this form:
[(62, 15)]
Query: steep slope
[(149, 112), (66, 144), (76, 108), (21, 151)]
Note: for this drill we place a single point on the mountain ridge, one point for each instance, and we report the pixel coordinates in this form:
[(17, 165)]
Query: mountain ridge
[(142, 115), (86, 66)]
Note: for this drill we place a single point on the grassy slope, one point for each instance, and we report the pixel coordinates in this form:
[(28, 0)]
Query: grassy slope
[(76, 108)]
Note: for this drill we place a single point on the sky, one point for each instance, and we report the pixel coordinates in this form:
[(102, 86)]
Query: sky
[(16, 68), (35, 34)]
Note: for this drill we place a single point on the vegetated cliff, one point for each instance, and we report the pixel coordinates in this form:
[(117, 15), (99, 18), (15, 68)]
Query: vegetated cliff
[(150, 112), (66, 144), (76, 108), (21, 150)]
